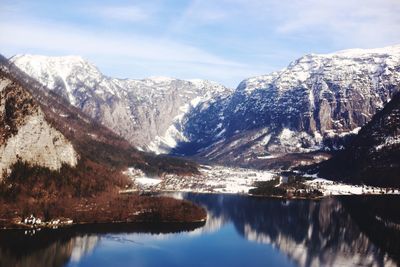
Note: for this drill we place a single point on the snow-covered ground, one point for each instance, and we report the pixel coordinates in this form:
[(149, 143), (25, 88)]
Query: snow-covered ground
[(328, 187), (220, 179), (140, 180), (213, 179), (217, 179)]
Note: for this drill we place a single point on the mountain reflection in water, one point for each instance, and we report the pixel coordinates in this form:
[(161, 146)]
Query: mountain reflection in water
[(342, 231), (345, 231)]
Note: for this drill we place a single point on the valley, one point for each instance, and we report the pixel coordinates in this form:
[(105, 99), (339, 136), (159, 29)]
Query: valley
[(199, 133), (279, 135), (83, 154)]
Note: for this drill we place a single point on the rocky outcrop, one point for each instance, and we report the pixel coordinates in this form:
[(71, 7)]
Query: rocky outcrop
[(25, 133), (145, 112)]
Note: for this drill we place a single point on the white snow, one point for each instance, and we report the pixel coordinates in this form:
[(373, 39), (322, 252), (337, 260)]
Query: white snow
[(139, 178), (265, 140), (147, 182), (161, 79), (335, 66), (215, 179), (221, 133), (389, 141), (221, 179), (267, 157), (292, 141), (334, 188), (357, 52), (195, 101)]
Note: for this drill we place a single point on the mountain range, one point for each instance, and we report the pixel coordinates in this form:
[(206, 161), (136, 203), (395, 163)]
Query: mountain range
[(302, 114), (314, 104), (145, 112)]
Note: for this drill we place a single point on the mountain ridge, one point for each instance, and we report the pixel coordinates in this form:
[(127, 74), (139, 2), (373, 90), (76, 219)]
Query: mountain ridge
[(93, 141), (316, 104), (146, 112)]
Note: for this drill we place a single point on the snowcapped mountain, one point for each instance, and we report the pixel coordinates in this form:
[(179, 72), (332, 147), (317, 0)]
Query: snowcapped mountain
[(312, 104), (146, 112), (40, 128), (316, 103)]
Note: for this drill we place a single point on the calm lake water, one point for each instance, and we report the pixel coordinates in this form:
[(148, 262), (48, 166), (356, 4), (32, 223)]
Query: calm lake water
[(240, 231)]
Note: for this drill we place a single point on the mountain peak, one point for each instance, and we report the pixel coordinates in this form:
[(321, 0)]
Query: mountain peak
[(63, 65), (49, 59), (357, 52), (315, 103), (339, 65)]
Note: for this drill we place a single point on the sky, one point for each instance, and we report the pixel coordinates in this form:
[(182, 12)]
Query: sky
[(220, 40)]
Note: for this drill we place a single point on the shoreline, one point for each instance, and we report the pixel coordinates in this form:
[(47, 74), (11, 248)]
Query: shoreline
[(13, 225), (128, 209), (161, 192), (163, 223)]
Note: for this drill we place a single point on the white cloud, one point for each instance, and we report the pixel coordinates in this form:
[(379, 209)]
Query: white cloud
[(362, 23), (121, 13), (68, 39), (198, 13), (224, 40), (149, 56)]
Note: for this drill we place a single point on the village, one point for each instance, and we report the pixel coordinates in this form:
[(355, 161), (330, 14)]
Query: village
[(229, 180), (36, 222)]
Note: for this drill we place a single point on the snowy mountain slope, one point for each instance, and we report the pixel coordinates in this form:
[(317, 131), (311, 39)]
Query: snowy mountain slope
[(314, 103), (146, 112)]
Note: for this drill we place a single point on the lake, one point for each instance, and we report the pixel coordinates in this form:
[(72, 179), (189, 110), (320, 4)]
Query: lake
[(240, 231)]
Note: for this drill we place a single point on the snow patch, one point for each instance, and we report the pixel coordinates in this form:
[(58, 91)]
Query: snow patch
[(389, 141), (328, 187)]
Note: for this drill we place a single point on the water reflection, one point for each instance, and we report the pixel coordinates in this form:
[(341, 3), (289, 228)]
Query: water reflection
[(345, 231), (47, 247)]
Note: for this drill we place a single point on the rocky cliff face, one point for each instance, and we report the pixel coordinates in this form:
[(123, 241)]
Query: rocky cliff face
[(373, 157), (312, 104), (25, 134), (146, 112)]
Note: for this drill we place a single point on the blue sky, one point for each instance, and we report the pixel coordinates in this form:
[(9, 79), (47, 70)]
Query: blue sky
[(221, 40)]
